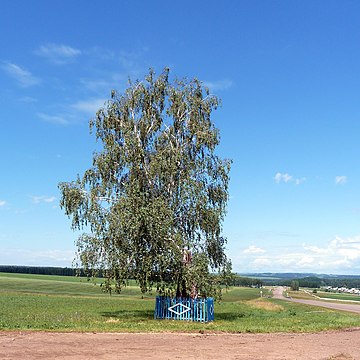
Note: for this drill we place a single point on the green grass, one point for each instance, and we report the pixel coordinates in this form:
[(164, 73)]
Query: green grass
[(40, 302), (51, 284), (322, 294), (337, 296)]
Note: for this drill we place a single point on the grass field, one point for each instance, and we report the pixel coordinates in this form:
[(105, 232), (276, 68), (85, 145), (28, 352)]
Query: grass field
[(56, 303), (338, 296), (322, 294)]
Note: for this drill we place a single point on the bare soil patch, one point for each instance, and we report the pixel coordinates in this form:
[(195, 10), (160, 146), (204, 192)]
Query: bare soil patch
[(332, 345)]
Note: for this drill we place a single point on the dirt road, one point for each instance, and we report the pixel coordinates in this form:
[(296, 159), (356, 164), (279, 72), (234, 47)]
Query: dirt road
[(278, 294), (339, 345)]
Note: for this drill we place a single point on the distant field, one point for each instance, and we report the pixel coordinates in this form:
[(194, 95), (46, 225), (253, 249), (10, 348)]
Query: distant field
[(52, 284), (338, 296), (260, 277), (56, 303), (322, 294)]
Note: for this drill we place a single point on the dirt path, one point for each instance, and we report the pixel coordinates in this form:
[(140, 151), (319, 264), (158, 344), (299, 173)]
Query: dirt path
[(105, 346), (278, 294)]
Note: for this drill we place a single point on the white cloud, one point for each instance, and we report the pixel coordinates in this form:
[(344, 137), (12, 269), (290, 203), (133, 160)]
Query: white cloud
[(285, 177), (340, 180), (74, 112), (58, 53), (53, 119), (2, 203), (218, 85), (90, 106), (262, 263), (281, 262), (316, 249), (31, 257), (43, 199), (252, 249), (306, 261), (24, 77), (348, 248), (339, 252), (337, 256), (279, 177)]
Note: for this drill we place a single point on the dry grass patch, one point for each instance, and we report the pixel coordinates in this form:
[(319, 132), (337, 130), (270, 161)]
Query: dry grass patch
[(264, 304), (341, 357), (301, 295), (112, 320)]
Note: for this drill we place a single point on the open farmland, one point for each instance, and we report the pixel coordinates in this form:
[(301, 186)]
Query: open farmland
[(319, 295), (338, 296), (55, 303)]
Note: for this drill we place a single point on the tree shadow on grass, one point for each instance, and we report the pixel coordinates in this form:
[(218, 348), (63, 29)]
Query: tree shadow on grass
[(229, 316), (129, 314), (149, 315)]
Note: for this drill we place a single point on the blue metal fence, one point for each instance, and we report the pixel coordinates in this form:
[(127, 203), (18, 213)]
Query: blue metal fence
[(184, 309)]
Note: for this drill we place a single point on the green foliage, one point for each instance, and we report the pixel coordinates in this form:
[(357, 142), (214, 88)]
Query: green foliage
[(157, 192), (294, 285), (310, 282), (349, 282)]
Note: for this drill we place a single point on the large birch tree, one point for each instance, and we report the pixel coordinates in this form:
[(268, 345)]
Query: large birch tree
[(155, 197)]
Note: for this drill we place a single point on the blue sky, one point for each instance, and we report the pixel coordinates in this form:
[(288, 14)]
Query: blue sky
[(287, 73)]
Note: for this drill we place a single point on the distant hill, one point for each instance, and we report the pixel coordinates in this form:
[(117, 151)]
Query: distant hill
[(311, 280), (268, 275)]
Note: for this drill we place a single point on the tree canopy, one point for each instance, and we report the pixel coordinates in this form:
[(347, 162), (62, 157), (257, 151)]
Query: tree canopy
[(155, 197)]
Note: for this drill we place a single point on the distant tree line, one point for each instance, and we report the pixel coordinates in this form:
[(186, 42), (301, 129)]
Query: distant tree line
[(41, 270), (238, 280), (309, 282), (234, 280), (348, 283), (316, 282)]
